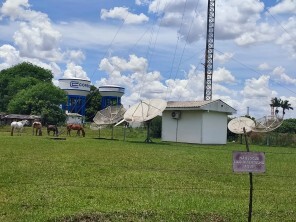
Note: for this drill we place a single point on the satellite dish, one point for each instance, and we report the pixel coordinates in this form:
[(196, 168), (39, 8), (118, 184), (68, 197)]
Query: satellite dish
[(110, 115), (267, 124), (145, 110), (237, 125)]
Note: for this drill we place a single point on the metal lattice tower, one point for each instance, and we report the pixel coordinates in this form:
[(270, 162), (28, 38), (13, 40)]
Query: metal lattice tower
[(209, 54)]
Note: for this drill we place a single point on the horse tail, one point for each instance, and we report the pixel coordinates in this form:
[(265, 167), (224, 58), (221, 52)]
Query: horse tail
[(83, 133), (12, 129)]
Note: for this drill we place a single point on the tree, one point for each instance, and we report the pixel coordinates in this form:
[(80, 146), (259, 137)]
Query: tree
[(286, 106), (288, 126), (156, 127), (93, 103), (275, 103), (19, 77), (42, 99)]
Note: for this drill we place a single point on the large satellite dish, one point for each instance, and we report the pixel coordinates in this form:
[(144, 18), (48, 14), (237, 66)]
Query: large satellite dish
[(110, 115), (145, 110), (267, 124), (237, 125)]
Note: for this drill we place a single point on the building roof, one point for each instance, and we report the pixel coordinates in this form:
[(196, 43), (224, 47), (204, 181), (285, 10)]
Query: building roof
[(19, 116), (187, 104), (213, 105), (73, 114)]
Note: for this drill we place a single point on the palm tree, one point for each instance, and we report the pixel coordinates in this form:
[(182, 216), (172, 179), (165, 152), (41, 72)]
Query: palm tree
[(286, 106), (275, 102)]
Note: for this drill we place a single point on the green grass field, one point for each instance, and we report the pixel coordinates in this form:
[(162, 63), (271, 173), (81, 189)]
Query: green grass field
[(91, 179)]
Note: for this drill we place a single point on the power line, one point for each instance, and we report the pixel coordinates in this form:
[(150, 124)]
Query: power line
[(255, 71)]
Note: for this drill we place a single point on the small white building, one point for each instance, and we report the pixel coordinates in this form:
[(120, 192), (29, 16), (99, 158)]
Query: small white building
[(201, 122), (74, 118)]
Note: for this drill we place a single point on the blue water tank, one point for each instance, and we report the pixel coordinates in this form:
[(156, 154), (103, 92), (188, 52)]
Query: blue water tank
[(111, 95), (77, 90)]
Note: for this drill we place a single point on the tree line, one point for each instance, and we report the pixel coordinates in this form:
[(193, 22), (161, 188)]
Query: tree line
[(28, 89)]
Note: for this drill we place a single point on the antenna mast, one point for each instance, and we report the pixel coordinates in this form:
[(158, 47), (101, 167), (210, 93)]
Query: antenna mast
[(209, 51)]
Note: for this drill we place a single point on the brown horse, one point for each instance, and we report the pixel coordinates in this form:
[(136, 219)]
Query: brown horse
[(77, 127), (38, 126), (52, 128)]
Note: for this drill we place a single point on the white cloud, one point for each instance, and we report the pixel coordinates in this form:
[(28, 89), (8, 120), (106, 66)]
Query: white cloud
[(233, 19), (223, 75), (75, 71), (36, 38), (257, 88), (280, 74), (10, 56), (75, 56), (264, 66), (223, 58), (14, 8), (142, 2), (283, 7), (122, 13), (134, 76)]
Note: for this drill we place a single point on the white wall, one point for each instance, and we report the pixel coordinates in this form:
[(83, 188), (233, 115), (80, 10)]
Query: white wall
[(187, 129), (200, 127), (214, 128)]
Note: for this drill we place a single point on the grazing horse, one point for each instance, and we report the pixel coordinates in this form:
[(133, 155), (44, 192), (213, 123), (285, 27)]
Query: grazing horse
[(18, 126), (77, 127), (53, 128), (38, 126)]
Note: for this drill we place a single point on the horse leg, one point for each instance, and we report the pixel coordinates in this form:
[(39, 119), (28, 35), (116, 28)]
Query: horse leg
[(12, 129)]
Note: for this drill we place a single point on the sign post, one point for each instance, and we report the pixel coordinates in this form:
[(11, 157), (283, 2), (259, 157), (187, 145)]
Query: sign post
[(248, 162)]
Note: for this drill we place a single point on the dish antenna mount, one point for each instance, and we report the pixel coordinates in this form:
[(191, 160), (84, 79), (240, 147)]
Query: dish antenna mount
[(108, 116), (145, 111)]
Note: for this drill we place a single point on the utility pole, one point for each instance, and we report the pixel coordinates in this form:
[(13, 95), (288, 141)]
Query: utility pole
[(209, 54)]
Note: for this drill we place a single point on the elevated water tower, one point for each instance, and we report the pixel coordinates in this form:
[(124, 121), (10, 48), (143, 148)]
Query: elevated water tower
[(111, 95), (77, 90)]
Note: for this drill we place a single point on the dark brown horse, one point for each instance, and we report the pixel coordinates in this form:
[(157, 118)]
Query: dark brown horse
[(38, 126), (52, 128), (77, 127)]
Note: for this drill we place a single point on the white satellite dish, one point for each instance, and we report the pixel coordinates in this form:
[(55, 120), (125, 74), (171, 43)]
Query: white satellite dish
[(145, 110), (238, 124), (267, 124), (110, 115)]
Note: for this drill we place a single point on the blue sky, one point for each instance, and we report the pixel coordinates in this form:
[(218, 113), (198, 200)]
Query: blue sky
[(155, 48)]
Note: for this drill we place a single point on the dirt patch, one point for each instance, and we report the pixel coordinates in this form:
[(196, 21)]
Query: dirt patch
[(140, 217)]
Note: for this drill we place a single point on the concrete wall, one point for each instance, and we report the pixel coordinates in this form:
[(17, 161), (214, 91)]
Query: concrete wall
[(214, 128), (194, 126)]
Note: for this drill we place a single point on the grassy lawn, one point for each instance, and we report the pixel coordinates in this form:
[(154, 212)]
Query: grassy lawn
[(91, 179)]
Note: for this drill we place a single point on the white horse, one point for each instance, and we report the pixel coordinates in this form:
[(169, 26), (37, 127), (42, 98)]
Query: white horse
[(18, 126)]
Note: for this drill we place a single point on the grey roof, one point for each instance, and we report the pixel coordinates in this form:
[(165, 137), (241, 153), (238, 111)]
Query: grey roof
[(187, 104), (213, 105)]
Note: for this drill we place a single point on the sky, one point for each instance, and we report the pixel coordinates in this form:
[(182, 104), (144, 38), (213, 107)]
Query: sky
[(156, 48)]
